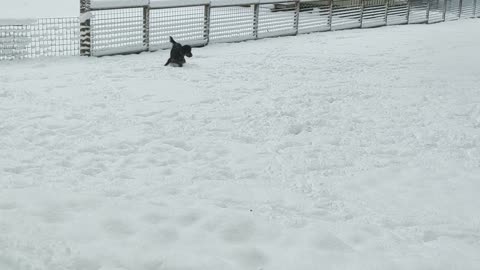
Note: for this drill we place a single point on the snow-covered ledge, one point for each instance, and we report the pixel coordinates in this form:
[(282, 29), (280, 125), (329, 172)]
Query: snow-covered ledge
[(17, 21), (219, 3), (106, 4), (177, 3)]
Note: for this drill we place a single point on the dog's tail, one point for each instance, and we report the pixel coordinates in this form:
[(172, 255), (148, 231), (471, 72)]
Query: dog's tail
[(171, 40)]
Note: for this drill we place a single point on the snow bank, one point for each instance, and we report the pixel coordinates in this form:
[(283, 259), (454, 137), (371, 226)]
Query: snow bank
[(342, 150)]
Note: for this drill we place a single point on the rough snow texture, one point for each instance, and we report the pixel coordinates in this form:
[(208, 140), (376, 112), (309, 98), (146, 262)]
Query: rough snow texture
[(342, 150)]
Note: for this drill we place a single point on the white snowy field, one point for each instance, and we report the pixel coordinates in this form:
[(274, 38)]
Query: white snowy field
[(354, 149), (32, 9)]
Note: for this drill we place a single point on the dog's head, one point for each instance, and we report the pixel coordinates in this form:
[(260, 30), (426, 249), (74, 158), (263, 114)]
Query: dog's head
[(187, 50)]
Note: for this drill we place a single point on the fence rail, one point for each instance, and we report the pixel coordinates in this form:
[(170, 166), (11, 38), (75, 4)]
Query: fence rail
[(143, 25)]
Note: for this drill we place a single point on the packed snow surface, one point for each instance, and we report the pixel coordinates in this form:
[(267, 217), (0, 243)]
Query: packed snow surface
[(32, 9), (341, 150)]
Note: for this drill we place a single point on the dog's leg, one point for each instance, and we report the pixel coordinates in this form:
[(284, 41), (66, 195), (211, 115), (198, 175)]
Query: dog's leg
[(168, 62)]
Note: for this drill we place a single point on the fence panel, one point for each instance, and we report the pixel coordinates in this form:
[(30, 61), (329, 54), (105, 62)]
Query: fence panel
[(397, 12), (436, 11), (314, 16), (185, 24), (346, 14), (276, 20), (467, 8), (116, 31), (418, 11), (232, 23), (374, 13), (453, 10), (42, 37)]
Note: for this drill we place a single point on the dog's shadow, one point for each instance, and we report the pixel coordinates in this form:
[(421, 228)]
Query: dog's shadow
[(185, 66), (200, 56)]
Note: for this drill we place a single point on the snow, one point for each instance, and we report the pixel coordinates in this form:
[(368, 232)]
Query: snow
[(16, 21), (219, 3), (34, 9), (170, 3), (99, 4), (85, 16), (353, 149)]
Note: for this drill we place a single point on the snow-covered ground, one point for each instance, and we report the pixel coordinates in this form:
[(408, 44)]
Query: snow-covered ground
[(353, 149), (32, 9)]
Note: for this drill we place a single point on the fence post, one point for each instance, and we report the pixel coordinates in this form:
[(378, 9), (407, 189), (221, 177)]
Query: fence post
[(146, 27), (474, 8), (444, 10), (409, 3), (85, 39), (206, 23), (256, 13), (330, 16), (386, 12), (428, 10), (297, 16), (460, 6), (362, 7)]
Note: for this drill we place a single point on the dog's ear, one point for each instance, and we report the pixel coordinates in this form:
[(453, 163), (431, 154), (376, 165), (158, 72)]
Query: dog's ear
[(171, 40), (187, 50)]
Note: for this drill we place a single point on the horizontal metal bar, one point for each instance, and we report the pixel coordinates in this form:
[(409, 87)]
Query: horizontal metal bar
[(176, 6), (115, 8), (226, 5)]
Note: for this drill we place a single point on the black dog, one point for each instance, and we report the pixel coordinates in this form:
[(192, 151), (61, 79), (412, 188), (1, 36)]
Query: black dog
[(178, 53)]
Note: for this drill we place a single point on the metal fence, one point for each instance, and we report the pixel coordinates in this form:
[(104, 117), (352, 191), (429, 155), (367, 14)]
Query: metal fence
[(145, 25), (43, 37)]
